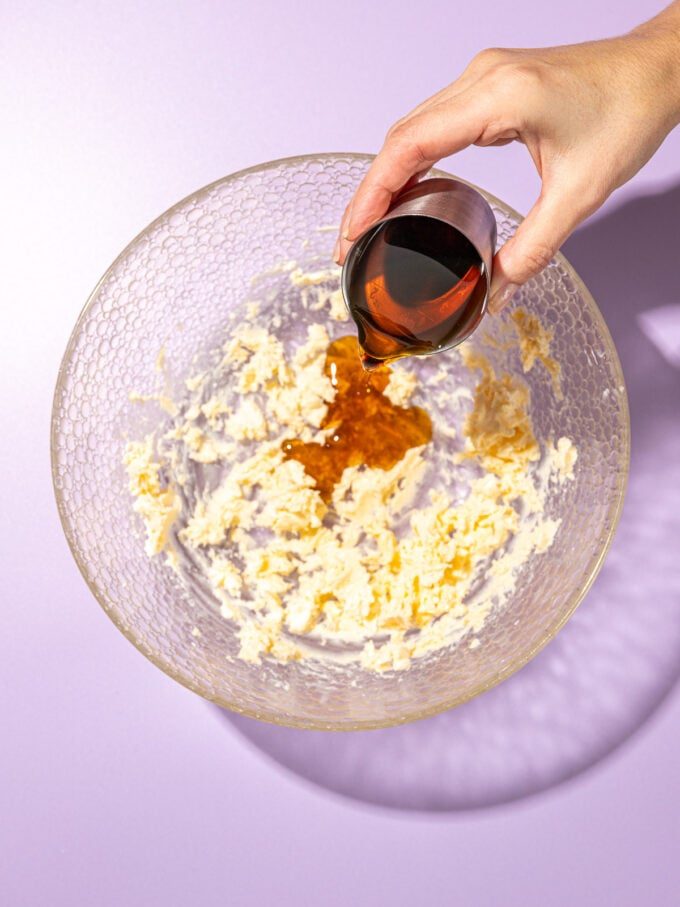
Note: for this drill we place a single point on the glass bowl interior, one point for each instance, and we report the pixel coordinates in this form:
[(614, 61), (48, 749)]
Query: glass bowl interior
[(174, 286)]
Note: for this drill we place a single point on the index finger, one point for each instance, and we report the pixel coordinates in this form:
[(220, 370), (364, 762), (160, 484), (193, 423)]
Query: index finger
[(414, 146)]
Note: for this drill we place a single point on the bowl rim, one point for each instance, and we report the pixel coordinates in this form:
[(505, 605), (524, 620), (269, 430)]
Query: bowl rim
[(613, 514)]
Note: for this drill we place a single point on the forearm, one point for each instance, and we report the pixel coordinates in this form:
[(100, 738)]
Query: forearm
[(658, 44)]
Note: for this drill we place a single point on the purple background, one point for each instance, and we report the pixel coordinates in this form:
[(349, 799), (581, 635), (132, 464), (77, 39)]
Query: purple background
[(117, 786)]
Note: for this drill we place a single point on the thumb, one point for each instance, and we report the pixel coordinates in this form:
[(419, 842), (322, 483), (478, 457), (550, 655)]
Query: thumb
[(552, 219)]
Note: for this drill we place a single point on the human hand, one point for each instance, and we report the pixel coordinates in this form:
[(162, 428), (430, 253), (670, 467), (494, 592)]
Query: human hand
[(589, 114)]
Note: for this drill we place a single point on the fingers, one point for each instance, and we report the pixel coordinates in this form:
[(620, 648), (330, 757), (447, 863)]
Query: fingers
[(397, 162), (444, 123), (410, 149), (342, 245), (538, 238)]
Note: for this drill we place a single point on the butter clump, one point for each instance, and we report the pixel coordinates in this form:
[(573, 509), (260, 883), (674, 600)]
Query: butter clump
[(534, 346), (391, 565), (158, 506)]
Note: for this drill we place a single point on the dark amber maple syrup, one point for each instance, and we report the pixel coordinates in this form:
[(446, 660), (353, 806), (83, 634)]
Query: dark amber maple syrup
[(367, 428), (417, 285)]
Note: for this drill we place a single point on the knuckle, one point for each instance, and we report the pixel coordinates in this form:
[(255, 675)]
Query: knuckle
[(592, 196), (515, 78), (489, 57), (395, 129), (401, 133), (537, 257), (404, 138), (585, 190), (524, 75)]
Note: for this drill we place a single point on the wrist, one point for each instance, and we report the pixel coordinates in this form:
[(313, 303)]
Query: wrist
[(656, 44)]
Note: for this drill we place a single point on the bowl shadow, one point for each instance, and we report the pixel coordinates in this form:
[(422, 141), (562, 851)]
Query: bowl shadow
[(619, 656)]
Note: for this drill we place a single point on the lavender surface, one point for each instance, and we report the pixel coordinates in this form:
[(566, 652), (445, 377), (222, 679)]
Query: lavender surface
[(118, 786)]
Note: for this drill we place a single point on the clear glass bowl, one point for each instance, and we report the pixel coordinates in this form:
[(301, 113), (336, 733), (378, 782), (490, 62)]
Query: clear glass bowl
[(172, 285)]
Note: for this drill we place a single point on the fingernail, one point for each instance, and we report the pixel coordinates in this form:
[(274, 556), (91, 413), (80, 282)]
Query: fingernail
[(502, 297), (336, 251), (344, 226), (354, 229)]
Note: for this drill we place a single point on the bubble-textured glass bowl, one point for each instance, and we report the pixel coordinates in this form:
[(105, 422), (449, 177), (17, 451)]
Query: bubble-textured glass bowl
[(172, 285)]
